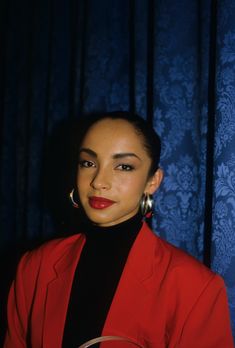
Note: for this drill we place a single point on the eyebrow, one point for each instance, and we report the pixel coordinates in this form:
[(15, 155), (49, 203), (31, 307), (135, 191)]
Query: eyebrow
[(125, 154), (115, 156), (89, 151)]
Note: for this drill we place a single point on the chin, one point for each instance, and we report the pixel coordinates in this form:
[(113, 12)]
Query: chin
[(107, 217), (105, 221), (97, 219)]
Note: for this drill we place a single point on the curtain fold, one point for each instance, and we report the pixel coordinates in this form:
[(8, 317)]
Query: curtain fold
[(172, 62)]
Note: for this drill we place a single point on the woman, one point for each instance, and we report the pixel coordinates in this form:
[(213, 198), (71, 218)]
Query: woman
[(116, 277)]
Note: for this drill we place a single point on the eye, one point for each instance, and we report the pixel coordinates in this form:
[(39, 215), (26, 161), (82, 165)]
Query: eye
[(86, 164), (125, 167)]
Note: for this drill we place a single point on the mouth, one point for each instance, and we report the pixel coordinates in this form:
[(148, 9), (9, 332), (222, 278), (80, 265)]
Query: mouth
[(100, 202)]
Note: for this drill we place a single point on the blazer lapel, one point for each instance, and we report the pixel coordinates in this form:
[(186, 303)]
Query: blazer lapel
[(58, 293), (135, 284), (137, 281)]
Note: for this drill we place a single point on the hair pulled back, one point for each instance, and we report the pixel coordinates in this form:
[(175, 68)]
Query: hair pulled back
[(150, 138)]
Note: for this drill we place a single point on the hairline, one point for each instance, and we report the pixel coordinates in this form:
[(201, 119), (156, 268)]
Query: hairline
[(138, 131)]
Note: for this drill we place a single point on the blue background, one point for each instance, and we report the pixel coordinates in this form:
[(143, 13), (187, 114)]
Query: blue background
[(172, 62)]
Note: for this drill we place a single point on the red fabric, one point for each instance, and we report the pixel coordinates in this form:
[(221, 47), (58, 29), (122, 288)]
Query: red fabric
[(165, 298)]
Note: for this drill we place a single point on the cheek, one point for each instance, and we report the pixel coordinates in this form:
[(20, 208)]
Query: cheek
[(133, 186), (82, 177), (83, 183)]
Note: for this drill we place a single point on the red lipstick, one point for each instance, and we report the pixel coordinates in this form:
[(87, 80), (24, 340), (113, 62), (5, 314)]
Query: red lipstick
[(100, 202)]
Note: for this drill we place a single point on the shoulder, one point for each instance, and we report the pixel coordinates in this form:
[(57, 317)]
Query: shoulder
[(182, 282), (181, 270), (48, 252)]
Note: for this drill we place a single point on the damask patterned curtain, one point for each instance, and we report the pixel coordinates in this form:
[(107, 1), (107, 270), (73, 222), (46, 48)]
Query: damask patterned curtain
[(172, 62)]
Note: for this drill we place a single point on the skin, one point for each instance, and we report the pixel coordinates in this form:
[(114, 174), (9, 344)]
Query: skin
[(113, 164)]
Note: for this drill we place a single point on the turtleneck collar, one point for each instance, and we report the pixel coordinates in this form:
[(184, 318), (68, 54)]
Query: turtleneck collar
[(126, 228), (96, 278)]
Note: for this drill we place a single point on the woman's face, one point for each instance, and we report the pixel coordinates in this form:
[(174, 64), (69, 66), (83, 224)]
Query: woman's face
[(113, 172)]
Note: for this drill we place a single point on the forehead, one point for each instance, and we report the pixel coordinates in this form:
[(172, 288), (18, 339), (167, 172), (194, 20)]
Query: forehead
[(113, 132)]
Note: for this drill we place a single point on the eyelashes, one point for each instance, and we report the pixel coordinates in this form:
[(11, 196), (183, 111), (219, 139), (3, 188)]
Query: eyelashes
[(86, 164), (125, 167), (122, 166)]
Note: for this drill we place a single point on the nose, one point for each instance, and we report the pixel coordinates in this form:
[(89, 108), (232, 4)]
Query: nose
[(102, 180)]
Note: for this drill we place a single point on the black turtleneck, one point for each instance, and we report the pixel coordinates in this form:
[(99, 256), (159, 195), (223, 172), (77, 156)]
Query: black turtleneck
[(96, 278)]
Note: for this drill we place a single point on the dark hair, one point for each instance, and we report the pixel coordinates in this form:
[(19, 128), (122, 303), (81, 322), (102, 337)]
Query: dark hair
[(63, 146), (151, 140)]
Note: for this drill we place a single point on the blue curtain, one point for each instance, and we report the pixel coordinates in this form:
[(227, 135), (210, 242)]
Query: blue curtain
[(172, 62)]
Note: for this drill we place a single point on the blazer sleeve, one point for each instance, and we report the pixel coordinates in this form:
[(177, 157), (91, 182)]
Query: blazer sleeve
[(19, 302), (208, 323)]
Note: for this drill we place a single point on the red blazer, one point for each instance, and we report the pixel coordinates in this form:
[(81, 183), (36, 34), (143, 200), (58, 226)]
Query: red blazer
[(165, 298)]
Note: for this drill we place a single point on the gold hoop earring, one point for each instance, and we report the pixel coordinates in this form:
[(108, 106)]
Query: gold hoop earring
[(75, 204), (146, 205)]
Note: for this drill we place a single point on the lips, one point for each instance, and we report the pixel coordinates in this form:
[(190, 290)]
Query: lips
[(100, 202)]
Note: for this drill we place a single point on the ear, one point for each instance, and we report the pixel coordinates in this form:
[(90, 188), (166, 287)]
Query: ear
[(154, 182)]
